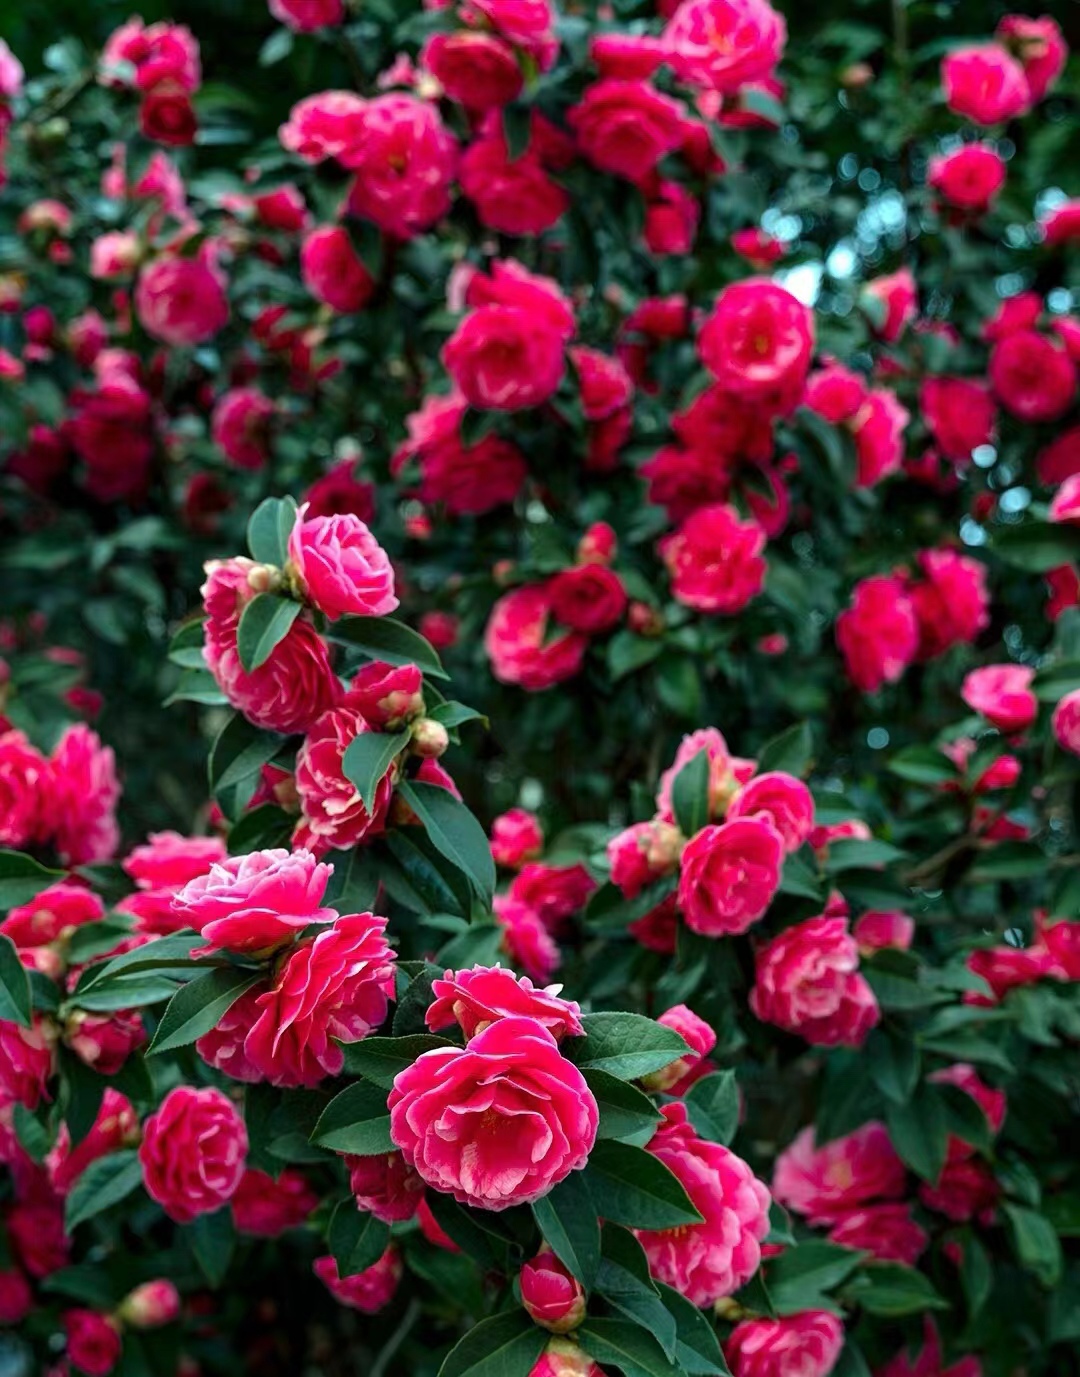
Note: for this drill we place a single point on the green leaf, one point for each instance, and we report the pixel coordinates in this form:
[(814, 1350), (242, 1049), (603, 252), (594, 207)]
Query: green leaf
[(853, 854), (15, 1002), (690, 794), (264, 623), (22, 879), (200, 1005), (712, 1105), (923, 765), (891, 1290), (239, 752), (367, 759), (1037, 1246), (197, 686), (792, 751), (625, 1111), (1009, 861), (163, 954), (502, 1346), (626, 1285), (628, 652), (625, 1345), (379, 1060), (919, 1132), (625, 1045), (354, 885), (269, 529), (454, 832), (517, 126), (799, 879), (103, 1184), (261, 829), (630, 1186), (356, 1240), (800, 1276), (356, 1121), (213, 1241), (1037, 546), (567, 1218), (383, 638), (697, 1349), (452, 715), (277, 47)]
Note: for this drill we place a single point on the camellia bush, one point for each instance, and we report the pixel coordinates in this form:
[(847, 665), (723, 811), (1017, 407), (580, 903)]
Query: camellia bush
[(540, 689)]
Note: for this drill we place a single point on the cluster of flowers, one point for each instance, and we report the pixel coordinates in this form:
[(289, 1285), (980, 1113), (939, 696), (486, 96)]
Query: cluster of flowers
[(160, 62), (65, 800)]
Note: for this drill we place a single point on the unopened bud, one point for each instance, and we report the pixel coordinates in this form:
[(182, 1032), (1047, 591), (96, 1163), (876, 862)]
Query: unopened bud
[(645, 620), (552, 1296), (857, 76), (264, 578), (151, 1305), (430, 739)]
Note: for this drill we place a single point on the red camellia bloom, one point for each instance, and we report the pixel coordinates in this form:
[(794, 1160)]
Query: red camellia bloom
[(332, 270), (466, 479), (332, 988), (82, 798), (966, 1188), (1066, 722), (307, 15), (341, 567), (497, 1123), (878, 634), (588, 598), (808, 982), (724, 44), (478, 70), (553, 1297), (887, 1231), (516, 837), (385, 1185), (1002, 693), (511, 195), (168, 116), (332, 812), (553, 892), (387, 696), (255, 903), (951, 602), (369, 1291), (267, 1207), (502, 359), (181, 301), (405, 160), (984, 84), (24, 774), (26, 1061), (728, 876), (960, 414), (241, 426), (1040, 45), (877, 930), (782, 801), (758, 340), (93, 1341), (715, 560), (826, 1183), (626, 127), (324, 125), (477, 998), (1033, 376), (57, 910), (808, 1343), (969, 178), (706, 1261), (518, 644), (193, 1152), (898, 303), (16, 1297)]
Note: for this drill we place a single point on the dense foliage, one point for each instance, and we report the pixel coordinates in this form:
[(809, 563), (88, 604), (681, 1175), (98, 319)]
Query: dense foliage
[(495, 496)]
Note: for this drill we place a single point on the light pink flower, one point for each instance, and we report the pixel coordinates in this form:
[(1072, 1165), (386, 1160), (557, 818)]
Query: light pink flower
[(342, 568)]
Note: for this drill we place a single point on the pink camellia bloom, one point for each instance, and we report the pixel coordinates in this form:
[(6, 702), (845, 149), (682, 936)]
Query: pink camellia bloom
[(35, 1230), (968, 178), (626, 127), (16, 1297), (341, 567), (82, 798), (11, 72), (984, 84), (726, 773), (104, 1041), (1040, 45), (55, 911), (878, 930), (960, 414), (509, 284), (339, 490), (151, 1305), (1033, 376), (224, 1046), (111, 433), (511, 195), (1007, 968), (898, 300), (93, 1341), (385, 1186), (715, 560), (758, 340), (930, 1362), (518, 644), (525, 939), (706, 1261), (1062, 941), (478, 70), (193, 1152), (181, 301), (255, 903), (642, 853), (240, 426), (588, 597), (1061, 225), (724, 44), (807, 981), (501, 359), (728, 876), (887, 1231), (25, 775), (553, 1297), (332, 812), (808, 1342), (782, 801), (115, 255), (116, 1126), (516, 837), (951, 602), (27, 1058), (387, 696), (828, 1182), (305, 16), (267, 1207), (760, 249), (606, 388), (333, 988), (294, 686), (324, 125), (1065, 504), (405, 159), (167, 860), (1066, 722), (563, 1358), (369, 1291), (476, 998), (678, 1076), (1002, 693), (967, 1188), (333, 271), (878, 431), (497, 1123)]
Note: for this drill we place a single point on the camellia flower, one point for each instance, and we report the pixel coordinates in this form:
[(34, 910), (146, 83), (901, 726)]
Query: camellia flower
[(758, 341), (369, 1291), (497, 1123), (267, 1207), (724, 44), (715, 560), (193, 1152), (518, 644), (984, 84), (729, 875), (553, 1297), (385, 1185), (181, 301), (1002, 693), (808, 1342), (825, 1183), (476, 998), (808, 982), (780, 800)]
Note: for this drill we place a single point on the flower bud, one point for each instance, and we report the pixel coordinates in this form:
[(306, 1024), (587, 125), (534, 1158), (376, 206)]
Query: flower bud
[(553, 1297), (562, 1358), (264, 578), (151, 1305), (857, 76), (430, 739), (598, 545), (663, 846), (645, 620)]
